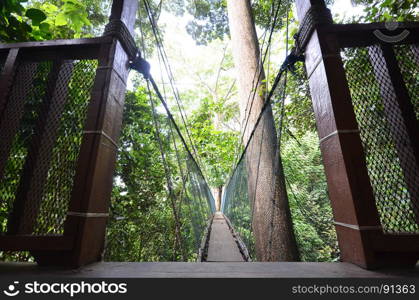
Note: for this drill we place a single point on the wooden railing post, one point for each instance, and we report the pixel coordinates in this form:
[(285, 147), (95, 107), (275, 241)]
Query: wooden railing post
[(6, 77), (88, 211), (350, 191)]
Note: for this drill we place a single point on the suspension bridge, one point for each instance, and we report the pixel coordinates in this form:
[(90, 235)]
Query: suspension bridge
[(60, 142)]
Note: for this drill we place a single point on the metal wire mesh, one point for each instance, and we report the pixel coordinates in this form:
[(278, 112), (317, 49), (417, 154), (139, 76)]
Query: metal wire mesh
[(22, 108), (41, 130), (195, 201), (387, 148), (408, 60), (155, 163), (200, 199), (237, 207), (76, 85), (251, 197)]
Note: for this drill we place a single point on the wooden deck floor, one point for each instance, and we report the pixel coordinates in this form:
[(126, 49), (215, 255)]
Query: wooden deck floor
[(222, 246), (207, 270), (224, 260)]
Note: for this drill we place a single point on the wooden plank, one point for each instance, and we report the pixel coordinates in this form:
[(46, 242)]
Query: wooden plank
[(362, 35), (404, 243), (208, 270), (35, 172), (222, 246), (34, 242), (65, 52)]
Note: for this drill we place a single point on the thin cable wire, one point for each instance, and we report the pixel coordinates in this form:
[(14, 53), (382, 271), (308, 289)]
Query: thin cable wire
[(170, 76), (166, 166), (177, 129)]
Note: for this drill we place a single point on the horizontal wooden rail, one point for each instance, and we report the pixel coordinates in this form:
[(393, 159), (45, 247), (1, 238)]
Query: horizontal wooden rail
[(88, 48), (35, 242), (395, 243), (362, 35), (55, 43)]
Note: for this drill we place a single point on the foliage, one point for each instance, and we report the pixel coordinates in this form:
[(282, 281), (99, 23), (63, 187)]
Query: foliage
[(299, 114), (46, 21), (309, 201), (215, 146), (210, 20), (142, 226), (389, 10), (139, 207)]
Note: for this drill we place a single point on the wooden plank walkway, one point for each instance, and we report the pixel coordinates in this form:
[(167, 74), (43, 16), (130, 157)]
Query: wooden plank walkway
[(206, 270), (222, 246)]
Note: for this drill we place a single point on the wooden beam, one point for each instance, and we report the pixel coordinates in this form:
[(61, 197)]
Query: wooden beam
[(35, 242), (6, 77), (55, 43), (350, 190)]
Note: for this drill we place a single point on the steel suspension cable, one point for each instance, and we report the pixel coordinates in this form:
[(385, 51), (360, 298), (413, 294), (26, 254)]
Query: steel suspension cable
[(166, 166), (163, 54)]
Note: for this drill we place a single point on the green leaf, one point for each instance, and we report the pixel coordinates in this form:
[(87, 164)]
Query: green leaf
[(86, 21), (44, 27), (75, 2), (36, 15), (61, 20), (49, 8)]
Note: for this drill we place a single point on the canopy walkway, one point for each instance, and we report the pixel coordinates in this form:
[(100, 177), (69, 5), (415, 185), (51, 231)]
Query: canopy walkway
[(59, 144), (222, 245)]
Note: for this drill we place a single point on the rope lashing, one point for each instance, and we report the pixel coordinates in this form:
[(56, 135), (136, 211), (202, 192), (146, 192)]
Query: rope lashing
[(291, 59), (140, 65), (315, 16), (118, 29)]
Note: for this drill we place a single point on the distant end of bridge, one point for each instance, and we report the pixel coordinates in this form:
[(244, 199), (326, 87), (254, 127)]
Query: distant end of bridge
[(222, 244)]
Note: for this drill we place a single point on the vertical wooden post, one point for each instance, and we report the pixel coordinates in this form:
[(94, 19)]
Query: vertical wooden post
[(88, 211), (350, 190), (6, 77)]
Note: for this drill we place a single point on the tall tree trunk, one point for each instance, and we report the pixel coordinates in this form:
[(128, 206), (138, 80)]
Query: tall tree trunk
[(217, 192), (272, 225)]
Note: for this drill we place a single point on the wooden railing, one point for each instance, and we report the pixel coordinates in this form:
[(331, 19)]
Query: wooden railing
[(61, 105), (366, 107)]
